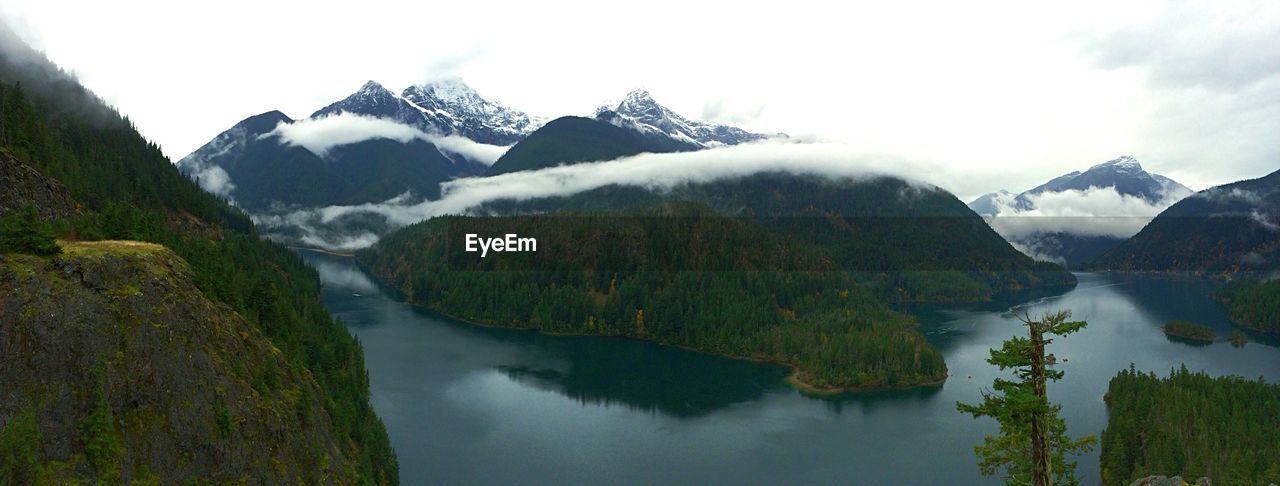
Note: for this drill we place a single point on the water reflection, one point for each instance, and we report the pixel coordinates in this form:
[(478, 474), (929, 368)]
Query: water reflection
[(469, 404)]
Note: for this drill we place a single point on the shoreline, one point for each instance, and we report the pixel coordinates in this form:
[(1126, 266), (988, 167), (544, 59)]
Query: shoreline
[(793, 378), (324, 251)]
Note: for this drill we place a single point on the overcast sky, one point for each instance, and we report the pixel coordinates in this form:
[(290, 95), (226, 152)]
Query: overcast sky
[(1009, 93)]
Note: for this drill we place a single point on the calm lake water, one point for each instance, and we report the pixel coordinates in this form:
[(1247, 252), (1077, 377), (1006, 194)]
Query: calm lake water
[(474, 405)]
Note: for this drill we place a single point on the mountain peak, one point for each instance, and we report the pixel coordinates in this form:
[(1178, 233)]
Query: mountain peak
[(371, 87), (449, 105), (639, 94), (638, 111), (449, 90), (1124, 162)]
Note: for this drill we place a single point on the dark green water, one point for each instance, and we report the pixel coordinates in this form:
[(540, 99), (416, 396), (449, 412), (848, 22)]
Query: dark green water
[(467, 404)]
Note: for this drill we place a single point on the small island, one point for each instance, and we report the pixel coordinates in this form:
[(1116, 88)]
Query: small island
[(1238, 338), (1189, 330)]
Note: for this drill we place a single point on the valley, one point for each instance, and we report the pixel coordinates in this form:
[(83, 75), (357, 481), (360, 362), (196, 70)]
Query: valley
[(813, 262), (563, 408)]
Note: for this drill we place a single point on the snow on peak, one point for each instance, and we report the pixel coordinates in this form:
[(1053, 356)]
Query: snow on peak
[(1124, 162), (449, 105), (449, 90), (372, 87), (639, 111)]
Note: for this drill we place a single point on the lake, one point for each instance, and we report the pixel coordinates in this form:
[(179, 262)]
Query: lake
[(476, 405)]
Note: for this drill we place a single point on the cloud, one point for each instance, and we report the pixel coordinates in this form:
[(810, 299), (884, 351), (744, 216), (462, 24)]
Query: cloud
[(652, 171), (723, 111), (1221, 46), (448, 65), (479, 152), (319, 135), (1098, 211), (1262, 219), (214, 180)]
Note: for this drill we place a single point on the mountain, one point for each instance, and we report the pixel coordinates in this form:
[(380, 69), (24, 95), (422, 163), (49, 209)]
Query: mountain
[(1226, 228), (375, 100), (989, 204), (1124, 173), (637, 124), (452, 107), (256, 167), (256, 164), (572, 139), (444, 107), (639, 112), (1077, 216), (139, 327)]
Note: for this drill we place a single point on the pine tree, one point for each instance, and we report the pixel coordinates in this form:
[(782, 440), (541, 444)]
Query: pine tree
[(1032, 445), (22, 231)]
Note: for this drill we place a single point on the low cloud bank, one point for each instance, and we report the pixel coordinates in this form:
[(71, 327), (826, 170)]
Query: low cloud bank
[(1097, 211), (651, 171), (320, 135)]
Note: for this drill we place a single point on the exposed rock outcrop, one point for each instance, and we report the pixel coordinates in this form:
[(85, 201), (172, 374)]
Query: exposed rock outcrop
[(22, 185), (117, 368)]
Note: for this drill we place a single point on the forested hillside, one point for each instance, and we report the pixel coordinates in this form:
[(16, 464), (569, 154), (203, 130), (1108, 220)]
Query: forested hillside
[(1222, 229), (679, 275), (1252, 303), (1192, 425), (921, 243), (129, 190)]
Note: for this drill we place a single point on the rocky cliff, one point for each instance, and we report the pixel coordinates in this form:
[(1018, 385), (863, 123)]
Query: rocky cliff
[(118, 369), (23, 185)]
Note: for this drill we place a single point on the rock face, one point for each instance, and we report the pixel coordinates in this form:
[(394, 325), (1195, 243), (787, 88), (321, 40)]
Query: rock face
[(118, 369), (22, 185)]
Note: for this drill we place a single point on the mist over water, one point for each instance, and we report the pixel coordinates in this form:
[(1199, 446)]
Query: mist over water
[(469, 404)]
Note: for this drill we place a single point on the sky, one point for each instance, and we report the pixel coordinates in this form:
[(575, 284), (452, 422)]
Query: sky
[(1004, 95)]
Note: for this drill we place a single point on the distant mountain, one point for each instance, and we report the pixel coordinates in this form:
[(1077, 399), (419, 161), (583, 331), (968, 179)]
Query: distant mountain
[(1067, 221), (989, 204), (445, 107), (639, 112), (636, 125), (573, 139), (1225, 228), (1124, 174), (452, 107), (254, 166)]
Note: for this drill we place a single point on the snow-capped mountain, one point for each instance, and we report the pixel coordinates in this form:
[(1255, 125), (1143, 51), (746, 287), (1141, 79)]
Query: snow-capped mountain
[(1124, 174), (1077, 216), (455, 108), (445, 107), (638, 111)]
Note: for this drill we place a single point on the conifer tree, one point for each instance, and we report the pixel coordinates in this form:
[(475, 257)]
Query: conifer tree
[(1033, 445)]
